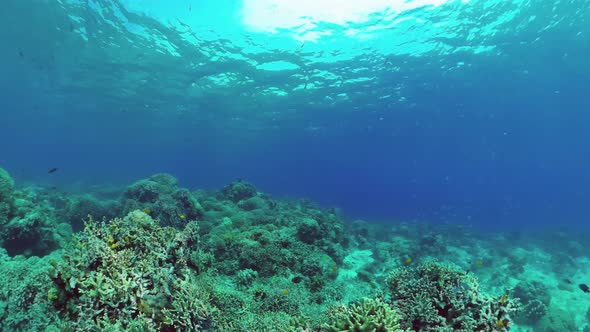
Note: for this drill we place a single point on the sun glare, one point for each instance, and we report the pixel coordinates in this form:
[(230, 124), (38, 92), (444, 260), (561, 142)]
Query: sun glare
[(273, 15)]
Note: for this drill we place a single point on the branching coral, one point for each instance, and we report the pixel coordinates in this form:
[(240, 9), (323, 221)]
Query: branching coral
[(370, 315), (128, 271), (442, 297)]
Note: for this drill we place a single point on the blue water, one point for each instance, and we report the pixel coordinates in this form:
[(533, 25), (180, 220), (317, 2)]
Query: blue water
[(471, 112)]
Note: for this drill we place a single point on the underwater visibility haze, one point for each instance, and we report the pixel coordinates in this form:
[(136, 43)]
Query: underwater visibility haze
[(279, 165)]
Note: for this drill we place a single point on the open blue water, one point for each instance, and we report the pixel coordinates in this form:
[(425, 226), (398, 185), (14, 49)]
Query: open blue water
[(473, 112)]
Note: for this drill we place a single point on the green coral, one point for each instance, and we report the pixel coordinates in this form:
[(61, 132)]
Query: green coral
[(441, 297), (556, 320), (370, 315), (164, 199), (6, 185), (28, 223), (239, 190), (535, 300), (24, 290), (6, 196), (131, 271)]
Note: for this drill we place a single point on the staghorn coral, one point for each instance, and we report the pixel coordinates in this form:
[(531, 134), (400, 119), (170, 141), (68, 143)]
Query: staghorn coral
[(130, 272), (441, 297), (370, 315)]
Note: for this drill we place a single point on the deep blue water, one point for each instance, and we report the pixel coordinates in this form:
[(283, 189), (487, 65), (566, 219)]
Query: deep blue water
[(475, 113)]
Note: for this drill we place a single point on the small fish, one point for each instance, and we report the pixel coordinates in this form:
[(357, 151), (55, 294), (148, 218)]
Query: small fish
[(568, 281), (504, 299), (52, 170), (286, 291), (297, 279), (190, 7), (408, 260), (21, 54), (461, 288), (335, 269), (479, 263), (183, 216), (584, 288), (148, 211)]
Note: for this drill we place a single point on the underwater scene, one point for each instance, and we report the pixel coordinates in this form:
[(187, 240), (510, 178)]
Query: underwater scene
[(281, 165)]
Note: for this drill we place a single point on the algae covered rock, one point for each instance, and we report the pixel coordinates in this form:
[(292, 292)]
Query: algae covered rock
[(556, 320), (6, 185), (77, 208), (534, 297), (309, 231), (162, 198), (150, 189), (239, 190), (28, 223), (253, 203)]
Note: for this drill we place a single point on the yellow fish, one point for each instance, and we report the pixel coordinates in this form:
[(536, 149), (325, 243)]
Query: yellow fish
[(408, 260), (148, 211), (182, 216), (504, 299)]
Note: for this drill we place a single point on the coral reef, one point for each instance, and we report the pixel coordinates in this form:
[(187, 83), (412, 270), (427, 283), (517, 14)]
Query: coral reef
[(130, 273), (6, 197), (28, 223), (23, 294), (441, 297), (535, 300), (162, 198), (556, 320), (237, 260), (77, 208), (369, 315), (239, 190)]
